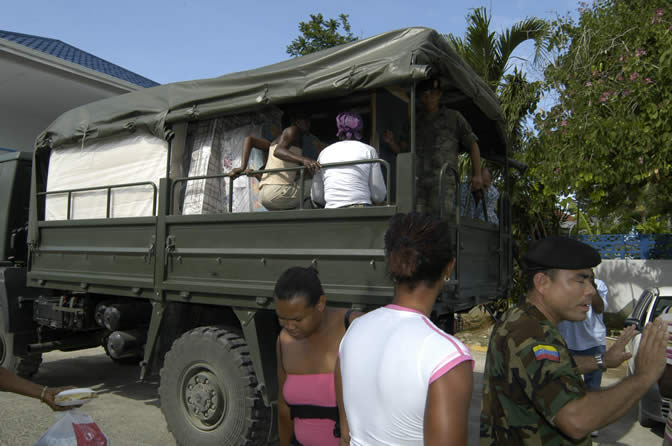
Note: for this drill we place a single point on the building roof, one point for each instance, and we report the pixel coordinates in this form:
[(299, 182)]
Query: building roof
[(69, 53)]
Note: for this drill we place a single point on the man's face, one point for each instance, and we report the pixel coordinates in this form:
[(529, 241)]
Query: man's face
[(567, 294), (430, 98)]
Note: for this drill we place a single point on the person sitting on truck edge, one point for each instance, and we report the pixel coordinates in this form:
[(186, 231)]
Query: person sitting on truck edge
[(399, 378), (440, 132), (306, 352), (9, 382), (280, 190), (348, 186)]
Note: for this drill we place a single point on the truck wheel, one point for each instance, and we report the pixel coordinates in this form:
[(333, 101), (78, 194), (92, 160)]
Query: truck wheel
[(209, 393), (25, 365)]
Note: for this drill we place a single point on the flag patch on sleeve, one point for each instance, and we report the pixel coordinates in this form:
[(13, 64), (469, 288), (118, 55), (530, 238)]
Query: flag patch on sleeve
[(546, 352)]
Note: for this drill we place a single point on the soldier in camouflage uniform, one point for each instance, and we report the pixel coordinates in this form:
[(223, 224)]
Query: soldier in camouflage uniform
[(533, 392), (440, 134)]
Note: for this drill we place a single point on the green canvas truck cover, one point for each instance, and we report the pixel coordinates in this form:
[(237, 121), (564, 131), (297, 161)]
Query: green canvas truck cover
[(391, 58)]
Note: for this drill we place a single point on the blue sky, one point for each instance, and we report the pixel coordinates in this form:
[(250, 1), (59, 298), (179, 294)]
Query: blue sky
[(175, 40)]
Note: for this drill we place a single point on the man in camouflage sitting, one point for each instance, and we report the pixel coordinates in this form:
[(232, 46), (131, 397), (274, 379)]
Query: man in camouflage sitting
[(533, 392)]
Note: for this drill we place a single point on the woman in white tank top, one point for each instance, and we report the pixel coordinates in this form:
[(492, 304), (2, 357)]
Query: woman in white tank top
[(400, 380)]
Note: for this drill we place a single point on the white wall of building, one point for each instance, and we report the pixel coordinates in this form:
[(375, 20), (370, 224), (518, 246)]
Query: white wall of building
[(627, 279), (36, 88)]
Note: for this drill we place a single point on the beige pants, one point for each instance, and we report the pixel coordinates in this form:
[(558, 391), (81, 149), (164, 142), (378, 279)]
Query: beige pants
[(277, 197)]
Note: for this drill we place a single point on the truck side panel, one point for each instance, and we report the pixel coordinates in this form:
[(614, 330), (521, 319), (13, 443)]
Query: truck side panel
[(114, 256), (243, 255)]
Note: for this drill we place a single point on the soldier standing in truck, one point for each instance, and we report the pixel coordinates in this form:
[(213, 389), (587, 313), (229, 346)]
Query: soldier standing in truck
[(440, 133)]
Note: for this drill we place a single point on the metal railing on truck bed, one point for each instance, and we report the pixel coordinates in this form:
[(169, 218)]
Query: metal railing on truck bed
[(301, 170), (108, 196)]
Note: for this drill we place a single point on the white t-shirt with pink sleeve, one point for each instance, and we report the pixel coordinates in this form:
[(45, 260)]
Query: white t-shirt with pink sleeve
[(389, 357)]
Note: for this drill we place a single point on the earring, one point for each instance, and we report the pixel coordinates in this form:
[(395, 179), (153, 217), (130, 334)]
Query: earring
[(446, 278)]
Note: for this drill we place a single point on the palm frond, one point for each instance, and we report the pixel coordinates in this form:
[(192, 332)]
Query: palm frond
[(527, 29), (482, 45)]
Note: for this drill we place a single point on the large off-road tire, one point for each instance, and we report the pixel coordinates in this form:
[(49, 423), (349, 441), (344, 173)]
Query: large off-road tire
[(23, 364), (209, 393)]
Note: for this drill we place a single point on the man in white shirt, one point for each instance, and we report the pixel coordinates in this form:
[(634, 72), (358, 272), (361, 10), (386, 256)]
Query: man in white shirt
[(356, 185)]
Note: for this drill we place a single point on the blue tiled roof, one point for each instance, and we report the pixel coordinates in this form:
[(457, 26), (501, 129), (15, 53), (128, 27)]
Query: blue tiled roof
[(75, 55)]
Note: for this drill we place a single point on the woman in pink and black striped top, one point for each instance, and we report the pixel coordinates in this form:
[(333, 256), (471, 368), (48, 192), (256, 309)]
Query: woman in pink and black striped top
[(307, 348), (399, 379)]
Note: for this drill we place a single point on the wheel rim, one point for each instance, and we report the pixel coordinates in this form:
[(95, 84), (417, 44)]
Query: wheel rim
[(203, 398)]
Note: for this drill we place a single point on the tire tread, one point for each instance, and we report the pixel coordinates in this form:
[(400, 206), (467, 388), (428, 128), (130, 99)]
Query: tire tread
[(229, 338)]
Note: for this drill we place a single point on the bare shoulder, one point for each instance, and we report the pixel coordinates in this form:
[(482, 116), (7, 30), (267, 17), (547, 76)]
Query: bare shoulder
[(290, 132)]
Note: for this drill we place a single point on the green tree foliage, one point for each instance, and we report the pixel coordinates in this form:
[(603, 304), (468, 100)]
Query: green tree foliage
[(489, 53), (319, 34), (608, 140), (535, 213)]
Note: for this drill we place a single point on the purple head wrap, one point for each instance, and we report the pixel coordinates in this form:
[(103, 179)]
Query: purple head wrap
[(349, 125)]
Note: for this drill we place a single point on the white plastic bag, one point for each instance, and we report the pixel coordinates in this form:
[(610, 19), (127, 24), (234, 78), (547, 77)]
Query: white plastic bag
[(74, 429)]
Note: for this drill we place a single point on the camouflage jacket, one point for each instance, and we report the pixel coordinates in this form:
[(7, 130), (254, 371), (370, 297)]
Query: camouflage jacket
[(529, 376), (439, 138)]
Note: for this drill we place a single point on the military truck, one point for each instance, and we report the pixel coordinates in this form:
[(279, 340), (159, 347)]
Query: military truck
[(123, 230)]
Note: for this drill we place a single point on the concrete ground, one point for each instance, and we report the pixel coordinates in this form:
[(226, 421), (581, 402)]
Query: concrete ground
[(128, 411)]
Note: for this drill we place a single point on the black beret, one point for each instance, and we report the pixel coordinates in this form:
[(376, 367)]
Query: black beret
[(560, 253)]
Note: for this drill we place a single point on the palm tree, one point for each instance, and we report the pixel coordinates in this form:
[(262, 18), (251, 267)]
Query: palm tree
[(489, 53)]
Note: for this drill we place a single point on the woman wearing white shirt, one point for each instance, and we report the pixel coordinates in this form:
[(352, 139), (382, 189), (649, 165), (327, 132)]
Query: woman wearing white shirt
[(356, 185), (400, 380)]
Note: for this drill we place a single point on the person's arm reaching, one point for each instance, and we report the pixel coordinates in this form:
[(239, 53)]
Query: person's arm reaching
[(397, 147), (447, 407), (287, 139), (612, 358), (476, 178), (580, 417), (248, 144), (469, 142), (9, 382)]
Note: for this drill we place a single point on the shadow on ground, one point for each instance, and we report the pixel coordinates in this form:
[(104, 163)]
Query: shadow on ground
[(93, 368)]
